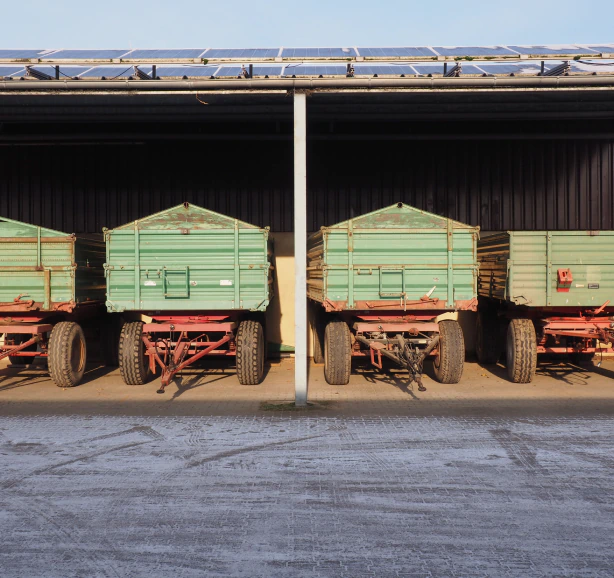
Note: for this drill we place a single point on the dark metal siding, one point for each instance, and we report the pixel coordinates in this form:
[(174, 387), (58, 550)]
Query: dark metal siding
[(85, 188), (498, 185)]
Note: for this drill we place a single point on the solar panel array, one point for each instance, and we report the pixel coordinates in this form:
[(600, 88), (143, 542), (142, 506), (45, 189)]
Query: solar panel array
[(303, 62), (313, 69), (317, 53)]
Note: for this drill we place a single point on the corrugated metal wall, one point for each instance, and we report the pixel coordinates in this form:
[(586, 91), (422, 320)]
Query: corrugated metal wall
[(538, 184), (497, 185), (84, 188)]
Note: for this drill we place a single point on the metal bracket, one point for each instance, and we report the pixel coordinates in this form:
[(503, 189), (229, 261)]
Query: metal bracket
[(454, 72), (140, 74), (560, 70)]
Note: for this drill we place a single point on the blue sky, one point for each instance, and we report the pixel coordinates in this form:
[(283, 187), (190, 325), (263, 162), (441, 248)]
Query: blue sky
[(248, 24)]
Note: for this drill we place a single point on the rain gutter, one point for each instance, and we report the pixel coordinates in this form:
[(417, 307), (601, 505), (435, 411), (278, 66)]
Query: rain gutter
[(491, 83)]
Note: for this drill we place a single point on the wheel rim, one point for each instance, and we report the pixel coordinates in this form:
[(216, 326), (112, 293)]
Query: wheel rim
[(77, 356), (144, 359)]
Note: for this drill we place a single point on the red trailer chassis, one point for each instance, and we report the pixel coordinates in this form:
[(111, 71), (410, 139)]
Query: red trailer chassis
[(25, 326), (555, 326), (56, 335), (524, 332), (405, 339), (173, 343), (584, 331)]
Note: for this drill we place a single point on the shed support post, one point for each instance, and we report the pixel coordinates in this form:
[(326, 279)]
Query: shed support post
[(300, 249)]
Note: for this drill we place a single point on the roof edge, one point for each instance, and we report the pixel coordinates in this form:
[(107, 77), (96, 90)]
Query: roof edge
[(490, 82)]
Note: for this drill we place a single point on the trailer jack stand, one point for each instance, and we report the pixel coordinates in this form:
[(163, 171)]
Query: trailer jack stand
[(413, 360), (168, 372), (417, 377)]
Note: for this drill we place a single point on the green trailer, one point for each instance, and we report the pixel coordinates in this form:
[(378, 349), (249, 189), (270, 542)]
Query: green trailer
[(50, 282), (544, 292), (379, 284), (190, 282)]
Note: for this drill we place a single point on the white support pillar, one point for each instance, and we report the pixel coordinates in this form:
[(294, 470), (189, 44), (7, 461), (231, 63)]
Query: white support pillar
[(300, 249)]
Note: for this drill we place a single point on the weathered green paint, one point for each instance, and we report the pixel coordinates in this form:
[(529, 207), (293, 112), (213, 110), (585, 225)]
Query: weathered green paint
[(522, 267), (187, 259), (394, 255), (51, 268)]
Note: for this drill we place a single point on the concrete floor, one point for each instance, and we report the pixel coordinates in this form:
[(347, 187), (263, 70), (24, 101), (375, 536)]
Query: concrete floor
[(214, 390), (484, 478)]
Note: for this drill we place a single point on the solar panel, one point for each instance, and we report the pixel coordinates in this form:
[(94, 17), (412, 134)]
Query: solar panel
[(258, 71), (179, 71), (315, 70), (169, 54), (12, 70), (318, 53), (468, 68), (110, 72), (245, 53), (516, 68), (552, 49), (437, 69), (17, 54), (383, 69), (599, 66), (85, 54), (473, 51), (409, 51), (607, 48), (430, 68)]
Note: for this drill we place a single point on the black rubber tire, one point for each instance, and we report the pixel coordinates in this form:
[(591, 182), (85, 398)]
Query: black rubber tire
[(67, 354), (110, 330), (449, 362), (582, 358), (250, 352), (337, 353), (487, 348), (21, 338), (133, 363), (521, 351), (317, 341)]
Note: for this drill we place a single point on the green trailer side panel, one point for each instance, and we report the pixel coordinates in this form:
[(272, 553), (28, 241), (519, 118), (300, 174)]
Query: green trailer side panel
[(396, 254), (522, 267), (48, 267), (187, 258)]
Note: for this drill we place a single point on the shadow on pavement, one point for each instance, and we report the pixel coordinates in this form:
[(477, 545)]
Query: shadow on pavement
[(390, 374), (560, 369), (218, 370)]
